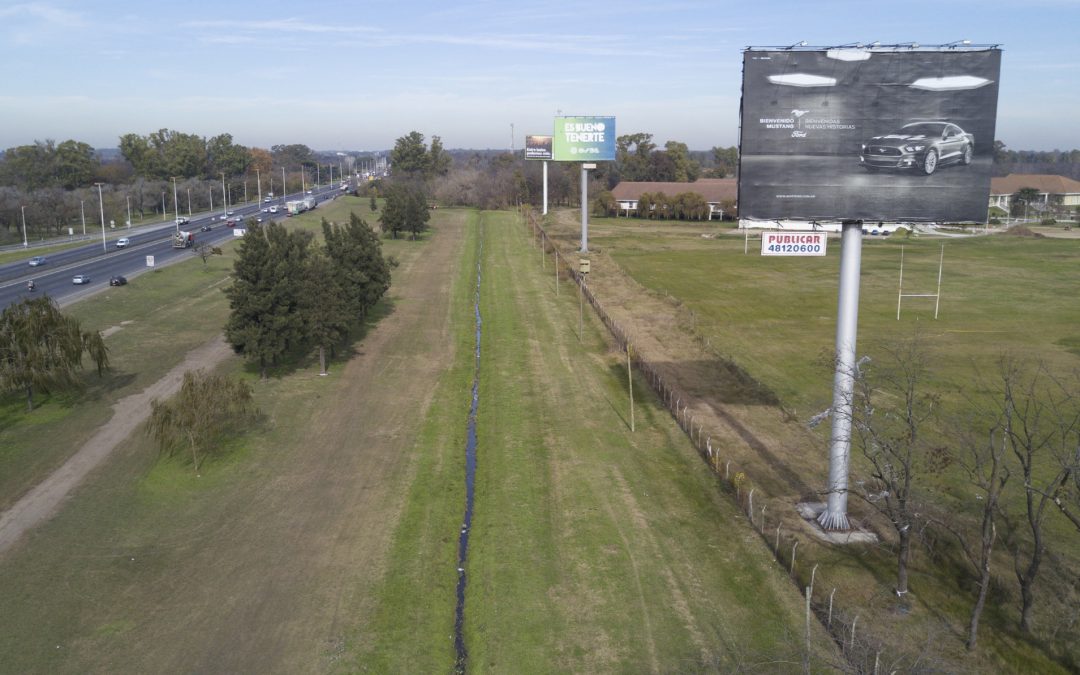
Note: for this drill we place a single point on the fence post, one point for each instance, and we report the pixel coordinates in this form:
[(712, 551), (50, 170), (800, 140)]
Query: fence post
[(750, 499), (812, 573), (806, 657), (853, 622), (777, 547), (794, 546), (829, 624), (763, 517)]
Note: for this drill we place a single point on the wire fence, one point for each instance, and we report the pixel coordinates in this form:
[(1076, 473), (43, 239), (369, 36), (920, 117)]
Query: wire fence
[(862, 654)]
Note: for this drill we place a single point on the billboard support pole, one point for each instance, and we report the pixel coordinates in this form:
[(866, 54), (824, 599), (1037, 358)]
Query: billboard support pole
[(834, 517), (584, 209), (545, 187)]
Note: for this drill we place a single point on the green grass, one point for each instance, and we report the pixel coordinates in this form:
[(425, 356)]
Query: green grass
[(775, 317), (592, 549)]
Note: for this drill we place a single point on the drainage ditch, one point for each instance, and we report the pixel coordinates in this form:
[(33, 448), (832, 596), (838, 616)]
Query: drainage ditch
[(470, 478)]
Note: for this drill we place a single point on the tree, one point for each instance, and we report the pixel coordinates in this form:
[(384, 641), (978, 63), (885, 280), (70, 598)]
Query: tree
[(41, 348), (405, 209), (293, 155), (410, 158), (374, 204), (632, 156), (356, 254), (983, 459), (205, 406), (204, 251), (439, 160), (223, 156), (324, 304), (1025, 196), (686, 169), (265, 322), (1043, 435), (889, 412)]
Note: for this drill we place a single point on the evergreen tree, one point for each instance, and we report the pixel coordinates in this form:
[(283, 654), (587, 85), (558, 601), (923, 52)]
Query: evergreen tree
[(266, 322)]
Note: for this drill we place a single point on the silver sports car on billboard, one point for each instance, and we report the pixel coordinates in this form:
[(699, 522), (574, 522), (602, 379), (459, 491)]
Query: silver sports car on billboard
[(922, 146)]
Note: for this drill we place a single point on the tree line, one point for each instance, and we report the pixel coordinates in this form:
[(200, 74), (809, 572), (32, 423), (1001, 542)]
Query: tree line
[(290, 296)]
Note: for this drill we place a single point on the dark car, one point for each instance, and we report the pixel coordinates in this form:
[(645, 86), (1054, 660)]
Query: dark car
[(922, 146), (118, 280), (206, 228)]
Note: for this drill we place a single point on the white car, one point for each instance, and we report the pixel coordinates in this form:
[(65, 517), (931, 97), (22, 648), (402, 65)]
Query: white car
[(273, 209), (122, 242), (80, 279)]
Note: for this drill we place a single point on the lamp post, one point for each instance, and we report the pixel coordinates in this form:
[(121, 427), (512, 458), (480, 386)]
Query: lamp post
[(282, 185), (82, 212), (189, 202), (25, 243), (101, 203), (224, 194), (176, 204), (129, 212), (163, 206), (258, 184)]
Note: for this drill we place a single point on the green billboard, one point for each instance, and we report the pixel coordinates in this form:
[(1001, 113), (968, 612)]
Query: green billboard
[(584, 139)]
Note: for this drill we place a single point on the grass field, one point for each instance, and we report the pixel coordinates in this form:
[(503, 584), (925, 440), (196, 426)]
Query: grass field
[(325, 540), (775, 319)]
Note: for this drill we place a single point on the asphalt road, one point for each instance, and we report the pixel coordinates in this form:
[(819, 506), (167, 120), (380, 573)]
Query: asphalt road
[(102, 262)]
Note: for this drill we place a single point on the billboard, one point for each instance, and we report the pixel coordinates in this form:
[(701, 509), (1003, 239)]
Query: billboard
[(794, 243), (538, 147), (584, 139), (867, 134)]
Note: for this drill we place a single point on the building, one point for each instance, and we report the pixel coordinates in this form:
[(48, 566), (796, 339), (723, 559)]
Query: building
[(1054, 191), (715, 191)]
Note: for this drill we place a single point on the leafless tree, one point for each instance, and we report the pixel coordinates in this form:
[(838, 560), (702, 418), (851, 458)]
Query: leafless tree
[(1043, 432), (890, 410)]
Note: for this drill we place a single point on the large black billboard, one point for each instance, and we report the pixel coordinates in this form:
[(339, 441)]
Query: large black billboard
[(867, 134)]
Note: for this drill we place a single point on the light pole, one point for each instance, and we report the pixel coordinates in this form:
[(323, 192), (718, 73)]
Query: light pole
[(82, 211), (189, 202), (129, 214), (25, 243), (163, 206), (303, 182), (211, 202), (258, 184), (224, 194), (282, 185), (101, 203), (176, 204)]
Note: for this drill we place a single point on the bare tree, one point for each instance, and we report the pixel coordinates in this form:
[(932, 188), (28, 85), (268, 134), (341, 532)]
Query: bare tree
[(890, 410), (1043, 433)]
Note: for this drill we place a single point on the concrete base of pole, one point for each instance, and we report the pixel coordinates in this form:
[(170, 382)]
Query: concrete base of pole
[(812, 512)]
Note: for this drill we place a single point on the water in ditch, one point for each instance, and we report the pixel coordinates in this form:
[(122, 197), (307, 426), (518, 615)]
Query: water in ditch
[(470, 477)]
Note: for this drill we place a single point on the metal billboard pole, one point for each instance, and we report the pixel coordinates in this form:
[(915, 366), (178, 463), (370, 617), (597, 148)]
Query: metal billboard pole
[(834, 517), (585, 206)]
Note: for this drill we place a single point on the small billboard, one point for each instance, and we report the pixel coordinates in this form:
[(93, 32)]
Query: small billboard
[(794, 243), (584, 139), (538, 147), (878, 134)]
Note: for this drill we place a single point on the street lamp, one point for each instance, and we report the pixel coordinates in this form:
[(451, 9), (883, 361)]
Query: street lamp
[(189, 202), (225, 195), (101, 203), (82, 210), (25, 243), (258, 183), (129, 212), (282, 185), (176, 204)]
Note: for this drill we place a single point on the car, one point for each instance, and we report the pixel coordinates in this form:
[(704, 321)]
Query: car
[(921, 146), (206, 228), (182, 220), (80, 279), (37, 260), (122, 242), (266, 210), (224, 218), (118, 280), (259, 219), (231, 222), (273, 209), (266, 200), (309, 191), (230, 213)]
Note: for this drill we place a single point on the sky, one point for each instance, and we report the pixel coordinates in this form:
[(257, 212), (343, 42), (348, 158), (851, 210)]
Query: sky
[(351, 75)]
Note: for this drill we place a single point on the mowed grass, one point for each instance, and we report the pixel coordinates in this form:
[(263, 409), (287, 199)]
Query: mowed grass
[(776, 318), (151, 568), (593, 549)]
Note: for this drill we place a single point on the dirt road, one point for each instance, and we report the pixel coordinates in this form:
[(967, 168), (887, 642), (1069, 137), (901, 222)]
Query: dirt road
[(128, 414)]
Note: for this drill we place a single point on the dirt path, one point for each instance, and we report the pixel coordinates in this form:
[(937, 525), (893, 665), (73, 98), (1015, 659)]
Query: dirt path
[(128, 413)]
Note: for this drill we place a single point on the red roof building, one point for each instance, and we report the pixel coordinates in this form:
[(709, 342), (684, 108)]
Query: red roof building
[(715, 191)]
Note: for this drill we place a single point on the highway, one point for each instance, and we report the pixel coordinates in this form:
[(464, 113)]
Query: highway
[(102, 262)]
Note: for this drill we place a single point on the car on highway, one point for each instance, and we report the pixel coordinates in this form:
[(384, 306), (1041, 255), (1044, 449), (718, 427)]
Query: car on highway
[(922, 146), (118, 280), (37, 261), (122, 242), (80, 279), (206, 228), (273, 209), (182, 221), (266, 200)]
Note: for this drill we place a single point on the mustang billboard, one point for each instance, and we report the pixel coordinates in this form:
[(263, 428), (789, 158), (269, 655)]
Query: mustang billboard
[(881, 134), (584, 139)]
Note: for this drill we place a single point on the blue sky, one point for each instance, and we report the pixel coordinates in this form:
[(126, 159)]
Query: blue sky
[(356, 75)]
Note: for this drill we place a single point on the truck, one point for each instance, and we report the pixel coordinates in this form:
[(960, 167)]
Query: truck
[(300, 205), (183, 239)]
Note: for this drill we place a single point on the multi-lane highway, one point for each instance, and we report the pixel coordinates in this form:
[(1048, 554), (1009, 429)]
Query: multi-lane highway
[(101, 262)]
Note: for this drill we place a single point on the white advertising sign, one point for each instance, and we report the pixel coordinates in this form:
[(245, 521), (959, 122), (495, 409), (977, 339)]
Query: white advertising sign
[(149, 261), (793, 243)]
